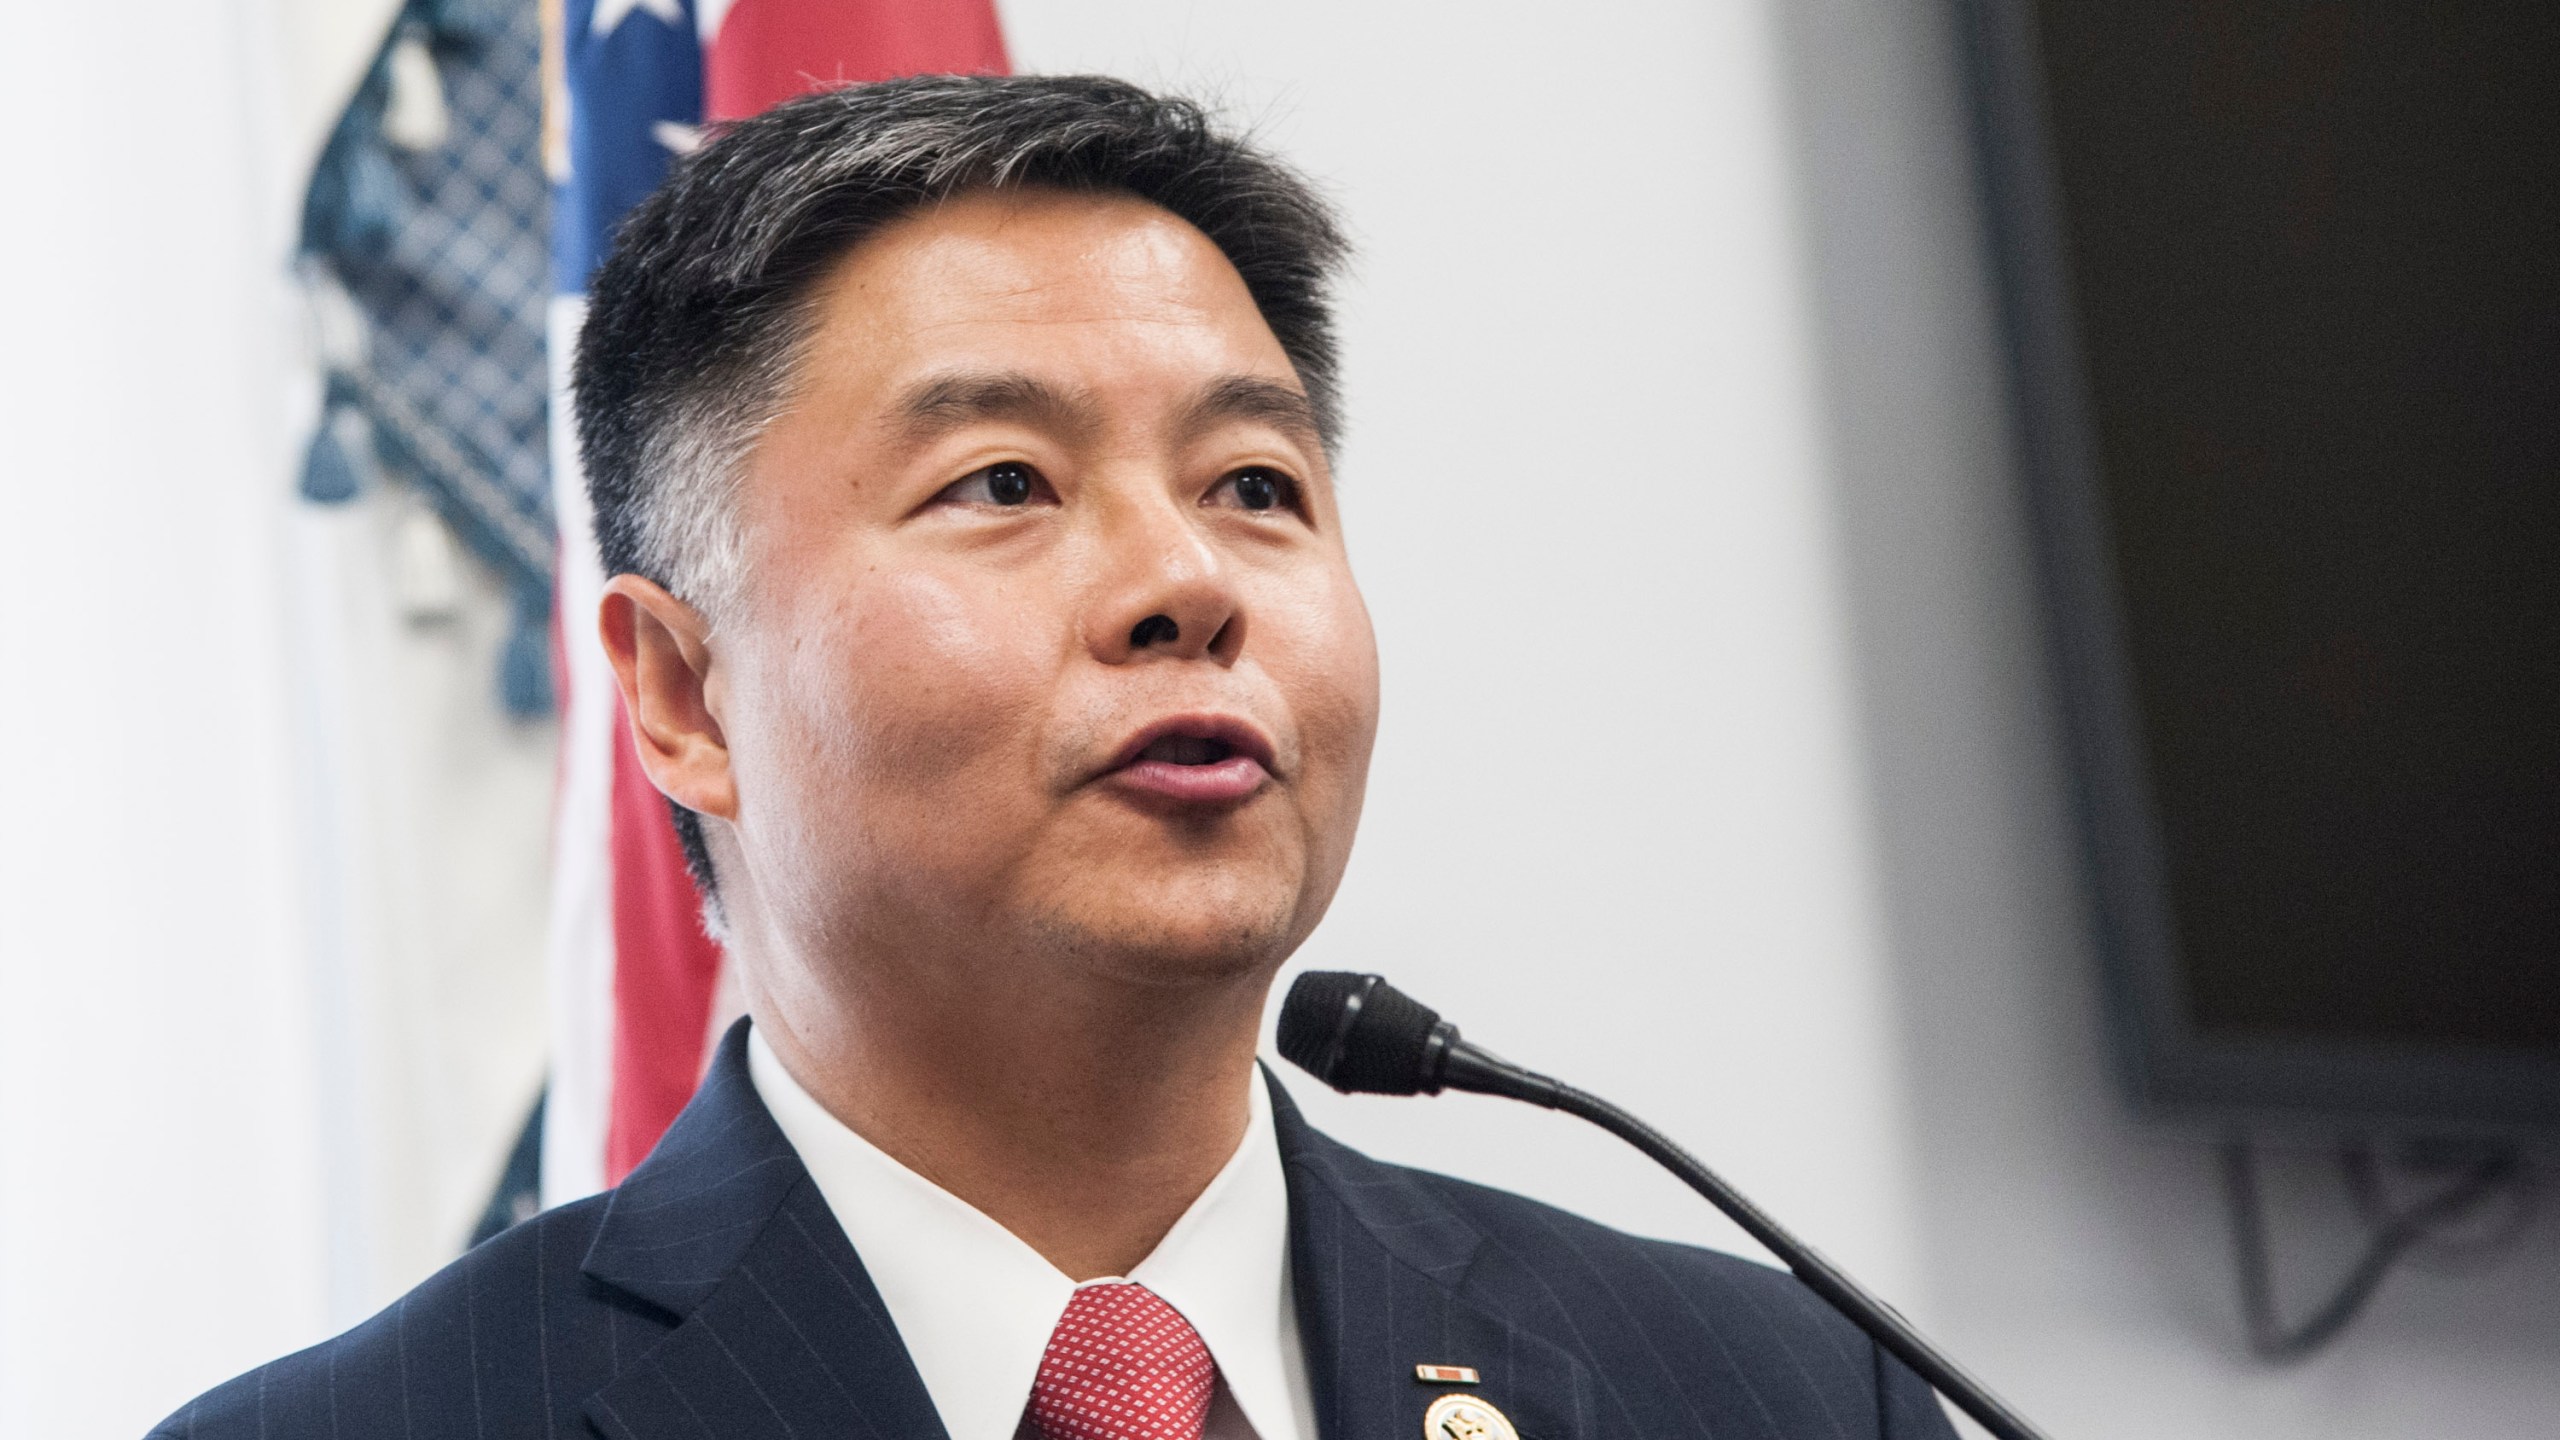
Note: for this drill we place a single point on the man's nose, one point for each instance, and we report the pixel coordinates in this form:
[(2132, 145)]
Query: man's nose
[(1169, 593)]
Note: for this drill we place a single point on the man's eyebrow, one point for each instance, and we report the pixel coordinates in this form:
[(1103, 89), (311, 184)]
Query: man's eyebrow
[(1252, 397), (936, 407)]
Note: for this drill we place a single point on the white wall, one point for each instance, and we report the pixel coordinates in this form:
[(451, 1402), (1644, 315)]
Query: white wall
[(160, 1172)]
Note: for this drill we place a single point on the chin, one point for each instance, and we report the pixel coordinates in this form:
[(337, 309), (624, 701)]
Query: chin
[(1202, 928)]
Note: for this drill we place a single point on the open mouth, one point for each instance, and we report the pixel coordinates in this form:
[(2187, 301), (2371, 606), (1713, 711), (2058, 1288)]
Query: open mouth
[(1198, 759), (1187, 750)]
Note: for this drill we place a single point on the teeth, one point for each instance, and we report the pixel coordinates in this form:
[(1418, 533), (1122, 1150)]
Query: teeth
[(1186, 750)]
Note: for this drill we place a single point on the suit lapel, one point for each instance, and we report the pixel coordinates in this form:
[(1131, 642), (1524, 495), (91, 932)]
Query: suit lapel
[(776, 1330), (779, 1332), (1379, 1266)]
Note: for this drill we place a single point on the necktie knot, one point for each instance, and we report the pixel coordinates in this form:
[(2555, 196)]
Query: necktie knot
[(1122, 1365)]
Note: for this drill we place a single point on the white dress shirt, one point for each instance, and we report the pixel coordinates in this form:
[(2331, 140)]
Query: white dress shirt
[(975, 1304)]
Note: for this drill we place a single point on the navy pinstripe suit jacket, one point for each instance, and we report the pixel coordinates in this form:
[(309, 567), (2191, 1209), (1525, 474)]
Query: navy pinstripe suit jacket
[(713, 1296)]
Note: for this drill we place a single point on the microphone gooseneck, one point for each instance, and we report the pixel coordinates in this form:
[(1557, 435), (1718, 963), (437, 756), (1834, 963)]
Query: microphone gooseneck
[(1362, 1036)]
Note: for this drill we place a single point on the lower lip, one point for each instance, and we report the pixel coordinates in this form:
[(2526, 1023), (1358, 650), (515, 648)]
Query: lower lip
[(1230, 779)]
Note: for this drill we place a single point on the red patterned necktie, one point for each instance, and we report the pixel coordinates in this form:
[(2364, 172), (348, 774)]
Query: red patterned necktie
[(1122, 1365)]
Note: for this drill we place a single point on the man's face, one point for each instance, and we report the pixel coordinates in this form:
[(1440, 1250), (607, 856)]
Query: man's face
[(1048, 645)]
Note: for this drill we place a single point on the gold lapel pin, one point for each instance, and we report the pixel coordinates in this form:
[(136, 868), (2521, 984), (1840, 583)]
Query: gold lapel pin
[(1465, 1417), (1446, 1374)]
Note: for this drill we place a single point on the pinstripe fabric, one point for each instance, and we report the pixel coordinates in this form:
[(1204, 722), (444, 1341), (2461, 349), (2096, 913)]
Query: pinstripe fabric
[(1579, 1331), (712, 1294)]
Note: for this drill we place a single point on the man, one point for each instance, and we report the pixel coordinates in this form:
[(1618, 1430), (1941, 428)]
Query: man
[(961, 453)]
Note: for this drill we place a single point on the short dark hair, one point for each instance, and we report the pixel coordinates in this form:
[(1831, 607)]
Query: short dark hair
[(696, 321)]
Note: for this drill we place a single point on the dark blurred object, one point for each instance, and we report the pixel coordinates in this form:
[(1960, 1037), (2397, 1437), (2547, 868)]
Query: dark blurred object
[(2467, 1179), (426, 248), (2284, 295), (518, 1197)]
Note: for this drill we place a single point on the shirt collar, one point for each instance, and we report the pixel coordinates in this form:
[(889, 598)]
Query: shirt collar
[(975, 1305)]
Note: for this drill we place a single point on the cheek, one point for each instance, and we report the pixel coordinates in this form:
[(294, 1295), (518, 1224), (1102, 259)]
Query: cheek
[(1332, 679), (891, 693)]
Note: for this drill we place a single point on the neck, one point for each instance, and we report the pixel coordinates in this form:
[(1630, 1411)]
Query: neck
[(1084, 1114)]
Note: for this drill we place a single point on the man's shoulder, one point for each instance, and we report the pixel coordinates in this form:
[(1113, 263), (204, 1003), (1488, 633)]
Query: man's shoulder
[(509, 1332), (1568, 1264), (1669, 1332), (1516, 1242)]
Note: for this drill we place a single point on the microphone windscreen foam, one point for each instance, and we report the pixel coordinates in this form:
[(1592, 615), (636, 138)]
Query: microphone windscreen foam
[(1312, 1017), (1356, 1033)]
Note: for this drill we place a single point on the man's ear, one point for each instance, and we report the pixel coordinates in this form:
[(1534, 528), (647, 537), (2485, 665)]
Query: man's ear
[(661, 653)]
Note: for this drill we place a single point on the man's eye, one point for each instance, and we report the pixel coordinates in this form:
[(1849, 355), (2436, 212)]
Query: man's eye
[(1009, 483), (1257, 489)]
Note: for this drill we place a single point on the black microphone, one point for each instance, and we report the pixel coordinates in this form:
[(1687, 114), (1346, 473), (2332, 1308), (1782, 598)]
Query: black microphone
[(1363, 1036)]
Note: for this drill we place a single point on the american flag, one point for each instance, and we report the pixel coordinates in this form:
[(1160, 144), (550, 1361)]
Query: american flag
[(637, 992)]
